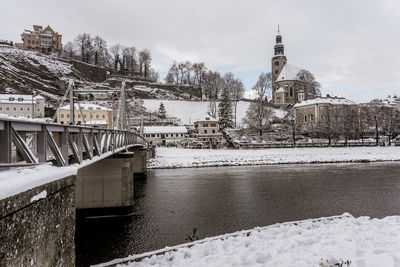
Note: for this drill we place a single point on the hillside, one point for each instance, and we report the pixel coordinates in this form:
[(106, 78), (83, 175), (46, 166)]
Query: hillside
[(23, 71)]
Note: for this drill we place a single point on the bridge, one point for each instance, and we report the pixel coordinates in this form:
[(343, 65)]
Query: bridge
[(67, 168)]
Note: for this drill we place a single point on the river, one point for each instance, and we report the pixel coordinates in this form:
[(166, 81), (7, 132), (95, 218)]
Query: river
[(171, 202)]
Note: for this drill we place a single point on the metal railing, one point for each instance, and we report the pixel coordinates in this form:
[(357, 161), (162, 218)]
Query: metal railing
[(25, 143)]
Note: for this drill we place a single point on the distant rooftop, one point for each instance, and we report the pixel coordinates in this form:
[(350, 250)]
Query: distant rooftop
[(325, 100)]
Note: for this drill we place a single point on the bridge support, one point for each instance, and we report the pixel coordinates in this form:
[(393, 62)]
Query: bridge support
[(107, 183)]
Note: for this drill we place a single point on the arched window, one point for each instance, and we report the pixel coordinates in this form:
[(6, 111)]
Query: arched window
[(291, 91), (305, 118)]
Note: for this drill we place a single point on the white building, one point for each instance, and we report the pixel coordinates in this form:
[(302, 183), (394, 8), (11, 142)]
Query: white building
[(164, 135), (28, 106)]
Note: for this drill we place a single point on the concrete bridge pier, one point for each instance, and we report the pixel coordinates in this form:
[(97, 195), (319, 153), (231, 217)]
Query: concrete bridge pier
[(106, 184)]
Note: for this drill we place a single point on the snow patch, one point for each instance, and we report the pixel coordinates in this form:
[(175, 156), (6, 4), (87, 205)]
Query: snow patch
[(41, 195)]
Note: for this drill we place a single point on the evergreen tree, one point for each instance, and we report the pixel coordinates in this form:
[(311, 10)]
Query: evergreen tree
[(225, 111), (162, 114)]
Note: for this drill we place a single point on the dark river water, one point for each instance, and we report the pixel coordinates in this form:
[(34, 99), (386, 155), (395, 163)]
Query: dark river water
[(170, 203)]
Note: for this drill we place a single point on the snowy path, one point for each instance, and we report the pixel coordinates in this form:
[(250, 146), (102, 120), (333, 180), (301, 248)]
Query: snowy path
[(323, 242), (184, 158)]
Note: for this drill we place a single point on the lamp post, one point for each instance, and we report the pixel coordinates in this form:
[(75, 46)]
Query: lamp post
[(33, 107)]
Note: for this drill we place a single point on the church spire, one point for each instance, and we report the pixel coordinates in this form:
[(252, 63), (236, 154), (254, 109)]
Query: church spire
[(279, 48)]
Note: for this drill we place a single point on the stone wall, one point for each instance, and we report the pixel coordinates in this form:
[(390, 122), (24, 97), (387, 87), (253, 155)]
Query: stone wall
[(37, 227)]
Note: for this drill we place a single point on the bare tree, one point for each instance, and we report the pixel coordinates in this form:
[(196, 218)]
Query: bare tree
[(294, 125), (144, 62), (69, 51), (84, 42), (100, 51), (308, 84), (327, 124), (376, 117), (237, 92), (391, 122), (348, 121), (263, 86), (257, 117), (115, 51)]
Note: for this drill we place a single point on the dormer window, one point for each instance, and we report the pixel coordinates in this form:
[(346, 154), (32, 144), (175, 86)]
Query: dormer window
[(20, 99), (11, 98)]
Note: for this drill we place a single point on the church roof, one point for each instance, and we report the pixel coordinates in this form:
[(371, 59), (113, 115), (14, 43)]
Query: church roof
[(280, 90), (288, 73), (325, 100)]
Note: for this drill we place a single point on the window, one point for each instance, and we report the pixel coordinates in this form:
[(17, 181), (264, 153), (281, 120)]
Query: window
[(213, 131), (97, 116), (152, 135), (158, 135), (28, 109), (20, 99), (84, 115), (205, 124), (98, 108), (62, 115), (90, 108), (205, 131), (21, 109), (103, 116), (182, 135), (15, 109), (29, 41), (291, 91), (91, 116), (277, 72), (311, 117), (67, 115), (38, 109), (7, 108), (1, 108), (276, 63), (79, 116), (305, 118)]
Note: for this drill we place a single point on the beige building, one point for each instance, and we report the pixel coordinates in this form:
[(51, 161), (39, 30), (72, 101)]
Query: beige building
[(309, 111), (208, 130), (27, 106), (87, 114), (165, 135), (42, 40)]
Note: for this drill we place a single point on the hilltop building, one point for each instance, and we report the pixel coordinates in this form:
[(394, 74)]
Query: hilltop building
[(286, 88), (41, 40), (27, 106)]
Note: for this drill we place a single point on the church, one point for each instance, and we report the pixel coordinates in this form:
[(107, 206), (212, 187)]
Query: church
[(286, 88)]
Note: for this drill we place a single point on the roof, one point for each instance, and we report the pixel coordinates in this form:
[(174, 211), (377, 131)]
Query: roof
[(164, 129), (288, 73), (325, 100), (98, 122), (207, 119), (19, 99), (280, 90), (87, 106)]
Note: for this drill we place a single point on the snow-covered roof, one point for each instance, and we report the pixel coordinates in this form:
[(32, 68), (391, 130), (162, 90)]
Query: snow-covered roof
[(280, 90), (87, 106), (19, 99), (207, 119), (325, 100), (288, 73), (164, 129), (98, 122)]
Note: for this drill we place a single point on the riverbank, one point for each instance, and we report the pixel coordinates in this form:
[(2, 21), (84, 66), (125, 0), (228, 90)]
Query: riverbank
[(319, 242), (189, 158)]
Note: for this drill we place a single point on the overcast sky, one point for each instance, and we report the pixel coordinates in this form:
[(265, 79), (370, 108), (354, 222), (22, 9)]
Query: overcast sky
[(352, 47)]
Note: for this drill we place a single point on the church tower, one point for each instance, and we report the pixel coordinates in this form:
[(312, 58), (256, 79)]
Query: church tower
[(279, 60)]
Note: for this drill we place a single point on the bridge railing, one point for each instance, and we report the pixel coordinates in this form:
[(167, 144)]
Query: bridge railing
[(25, 143)]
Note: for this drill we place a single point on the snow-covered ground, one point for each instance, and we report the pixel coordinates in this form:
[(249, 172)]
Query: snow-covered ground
[(190, 111), (180, 157), (324, 242)]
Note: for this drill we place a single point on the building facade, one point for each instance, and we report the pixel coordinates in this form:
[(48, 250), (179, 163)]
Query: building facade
[(41, 40), (310, 111), (87, 114), (165, 135), (207, 130), (27, 106)]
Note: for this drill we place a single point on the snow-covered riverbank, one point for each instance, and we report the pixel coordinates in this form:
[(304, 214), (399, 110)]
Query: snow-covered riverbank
[(321, 242), (186, 158)]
